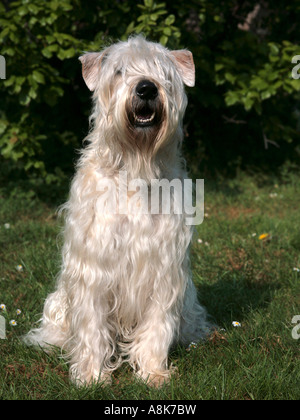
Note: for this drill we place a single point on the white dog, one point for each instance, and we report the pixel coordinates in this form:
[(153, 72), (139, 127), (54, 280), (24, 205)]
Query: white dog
[(125, 291)]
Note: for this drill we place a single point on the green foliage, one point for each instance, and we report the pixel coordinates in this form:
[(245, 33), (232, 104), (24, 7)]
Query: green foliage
[(268, 78), (251, 89), (152, 24), (244, 86), (32, 32)]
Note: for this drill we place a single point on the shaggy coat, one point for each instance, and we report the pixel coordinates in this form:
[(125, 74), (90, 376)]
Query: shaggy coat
[(125, 292)]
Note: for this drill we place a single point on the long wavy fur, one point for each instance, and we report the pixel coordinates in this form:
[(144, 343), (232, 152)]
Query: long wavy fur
[(125, 290)]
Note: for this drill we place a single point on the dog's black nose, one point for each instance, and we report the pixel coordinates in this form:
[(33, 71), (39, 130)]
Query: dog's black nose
[(146, 90)]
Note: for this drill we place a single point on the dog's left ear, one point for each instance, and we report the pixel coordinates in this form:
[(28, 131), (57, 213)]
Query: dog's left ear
[(185, 64), (91, 64)]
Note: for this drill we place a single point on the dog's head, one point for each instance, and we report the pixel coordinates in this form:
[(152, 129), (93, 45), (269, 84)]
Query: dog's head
[(139, 90)]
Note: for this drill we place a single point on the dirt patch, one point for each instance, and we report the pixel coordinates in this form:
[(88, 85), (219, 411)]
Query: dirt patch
[(238, 259), (35, 371), (233, 212)]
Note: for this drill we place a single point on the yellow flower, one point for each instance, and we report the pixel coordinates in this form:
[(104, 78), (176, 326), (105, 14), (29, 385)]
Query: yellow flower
[(263, 236)]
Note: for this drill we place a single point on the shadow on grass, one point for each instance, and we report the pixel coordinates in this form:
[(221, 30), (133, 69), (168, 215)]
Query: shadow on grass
[(233, 296)]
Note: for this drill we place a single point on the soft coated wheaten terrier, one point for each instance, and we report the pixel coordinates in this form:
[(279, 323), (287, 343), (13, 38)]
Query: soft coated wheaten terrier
[(125, 290)]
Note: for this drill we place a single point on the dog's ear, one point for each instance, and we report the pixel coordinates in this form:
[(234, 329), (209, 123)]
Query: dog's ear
[(185, 65), (91, 64)]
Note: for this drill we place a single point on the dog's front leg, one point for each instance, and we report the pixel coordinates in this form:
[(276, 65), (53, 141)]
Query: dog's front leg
[(149, 350), (91, 346)]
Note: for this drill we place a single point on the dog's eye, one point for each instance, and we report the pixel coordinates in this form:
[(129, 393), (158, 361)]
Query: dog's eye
[(118, 72)]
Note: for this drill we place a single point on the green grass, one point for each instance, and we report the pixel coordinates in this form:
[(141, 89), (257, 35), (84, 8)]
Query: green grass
[(239, 278)]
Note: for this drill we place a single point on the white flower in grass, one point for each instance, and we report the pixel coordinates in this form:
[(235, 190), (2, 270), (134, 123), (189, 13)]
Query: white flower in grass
[(191, 346), (13, 323), (18, 311), (7, 225), (236, 324), (3, 307), (19, 268), (296, 269)]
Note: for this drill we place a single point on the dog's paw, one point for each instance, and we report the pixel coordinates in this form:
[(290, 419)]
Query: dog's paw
[(90, 379), (158, 379)]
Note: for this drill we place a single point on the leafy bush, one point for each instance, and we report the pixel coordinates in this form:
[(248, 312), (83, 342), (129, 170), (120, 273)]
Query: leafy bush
[(244, 86)]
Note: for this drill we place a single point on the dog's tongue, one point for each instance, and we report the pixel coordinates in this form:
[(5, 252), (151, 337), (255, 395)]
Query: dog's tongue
[(145, 113)]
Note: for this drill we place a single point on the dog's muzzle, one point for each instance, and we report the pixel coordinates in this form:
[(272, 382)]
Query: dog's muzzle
[(145, 104)]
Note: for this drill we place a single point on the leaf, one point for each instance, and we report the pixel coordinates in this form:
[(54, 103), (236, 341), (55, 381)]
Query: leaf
[(139, 28), (39, 165), (8, 51), (10, 81), (170, 20), (24, 99), (69, 53), (48, 51), (273, 48), (230, 78), (38, 77), (33, 8), (219, 66), (23, 10), (248, 102), (3, 126), (148, 3), (32, 93), (163, 40), (259, 83), (266, 94), (231, 98), (154, 17)]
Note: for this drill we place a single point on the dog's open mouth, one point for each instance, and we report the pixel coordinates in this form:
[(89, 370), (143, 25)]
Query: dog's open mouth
[(145, 116)]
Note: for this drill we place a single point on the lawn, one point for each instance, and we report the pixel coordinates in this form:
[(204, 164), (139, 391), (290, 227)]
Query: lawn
[(246, 257)]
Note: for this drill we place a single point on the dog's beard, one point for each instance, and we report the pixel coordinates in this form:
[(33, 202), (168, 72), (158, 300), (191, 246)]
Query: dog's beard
[(145, 114), (142, 130), (145, 122)]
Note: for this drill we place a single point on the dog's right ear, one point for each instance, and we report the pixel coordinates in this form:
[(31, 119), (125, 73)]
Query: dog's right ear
[(185, 64), (91, 65)]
